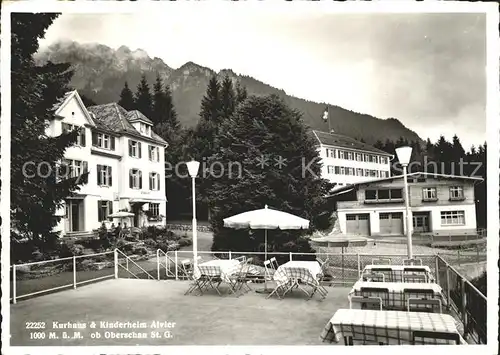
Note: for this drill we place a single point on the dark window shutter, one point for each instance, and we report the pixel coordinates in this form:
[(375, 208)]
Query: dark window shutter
[(130, 148), (140, 179), (110, 176), (112, 143), (150, 182), (110, 205), (85, 166), (158, 154), (94, 138), (140, 153), (158, 182), (130, 179), (99, 167), (99, 211), (82, 133)]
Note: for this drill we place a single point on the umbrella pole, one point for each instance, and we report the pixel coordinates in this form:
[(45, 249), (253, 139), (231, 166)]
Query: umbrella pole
[(265, 256)]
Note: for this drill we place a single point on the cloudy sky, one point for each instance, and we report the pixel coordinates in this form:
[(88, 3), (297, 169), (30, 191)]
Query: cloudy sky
[(427, 70)]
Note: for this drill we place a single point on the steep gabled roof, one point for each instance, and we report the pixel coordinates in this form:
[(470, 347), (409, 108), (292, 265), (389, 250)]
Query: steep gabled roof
[(115, 118), (63, 101), (339, 140)]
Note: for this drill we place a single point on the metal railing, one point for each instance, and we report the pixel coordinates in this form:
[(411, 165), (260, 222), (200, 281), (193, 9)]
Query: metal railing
[(36, 278), (464, 299), (129, 262), (345, 269)]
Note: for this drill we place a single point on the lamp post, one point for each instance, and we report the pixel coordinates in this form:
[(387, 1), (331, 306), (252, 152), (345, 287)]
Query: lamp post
[(193, 167), (404, 155)]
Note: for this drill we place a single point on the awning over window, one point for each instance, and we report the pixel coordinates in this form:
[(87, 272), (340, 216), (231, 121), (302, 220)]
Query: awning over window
[(147, 200)]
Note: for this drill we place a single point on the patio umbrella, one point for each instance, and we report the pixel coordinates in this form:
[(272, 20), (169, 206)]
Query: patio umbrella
[(266, 218), (121, 215), (337, 239)]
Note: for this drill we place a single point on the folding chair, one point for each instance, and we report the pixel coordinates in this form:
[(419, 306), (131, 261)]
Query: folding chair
[(434, 303), (412, 262), (381, 292), (418, 278), (211, 276), (387, 271), (274, 263), (373, 277), (269, 270), (241, 258), (197, 283), (186, 268), (282, 283), (366, 302), (247, 274), (235, 279), (434, 338), (416, 293), (381, 261)]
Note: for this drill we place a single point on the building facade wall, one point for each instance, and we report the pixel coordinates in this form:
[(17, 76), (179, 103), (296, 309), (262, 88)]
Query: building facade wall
[(119, 193), (432, 209), (382, 169)]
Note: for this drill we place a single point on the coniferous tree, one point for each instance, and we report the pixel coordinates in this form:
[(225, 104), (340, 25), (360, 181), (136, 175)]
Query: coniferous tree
[(127, 98), (227, 97), (241, 93), (143, 98), (36, 195), (265, 126)]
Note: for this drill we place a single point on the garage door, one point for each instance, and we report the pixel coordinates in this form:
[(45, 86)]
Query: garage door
[(391, 223), (358, 224)]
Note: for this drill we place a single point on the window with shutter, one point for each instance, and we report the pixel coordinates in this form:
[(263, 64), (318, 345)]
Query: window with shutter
[(100, 216), (85, 167), (131, 178), (130, 148), (140, 153), (110, 177), (112, 143), (140, 179), (99, 167), (94, 139), (82, 136)]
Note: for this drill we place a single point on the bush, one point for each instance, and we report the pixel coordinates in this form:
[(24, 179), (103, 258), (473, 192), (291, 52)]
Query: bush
[(139, 250), (86, 265), (151, 242), (184, 242)]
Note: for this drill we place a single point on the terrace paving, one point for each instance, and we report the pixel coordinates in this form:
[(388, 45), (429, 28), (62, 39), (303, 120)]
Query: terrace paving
[(199, 320)]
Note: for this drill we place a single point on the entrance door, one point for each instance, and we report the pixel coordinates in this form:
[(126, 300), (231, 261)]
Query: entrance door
[(421, 222), (72, 216), (391, 223)]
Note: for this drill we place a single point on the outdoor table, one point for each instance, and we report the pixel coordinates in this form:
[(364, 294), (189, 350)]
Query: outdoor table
[(313, 266), (391, 327), (395, 298), (294, 273), (396, 271), (217, 271)]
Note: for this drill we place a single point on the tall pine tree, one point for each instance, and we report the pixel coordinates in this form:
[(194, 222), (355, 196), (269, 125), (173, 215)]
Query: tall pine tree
[(36, 195), (266, 127), (143, 98), (227, 97), (127, 98)]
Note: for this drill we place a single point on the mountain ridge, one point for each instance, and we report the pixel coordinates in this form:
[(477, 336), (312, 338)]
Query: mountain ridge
[(101, 71)]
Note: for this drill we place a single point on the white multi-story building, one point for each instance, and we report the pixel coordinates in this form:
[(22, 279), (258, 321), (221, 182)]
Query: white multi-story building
[(347, 161), (440, 205), (125, 161)]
